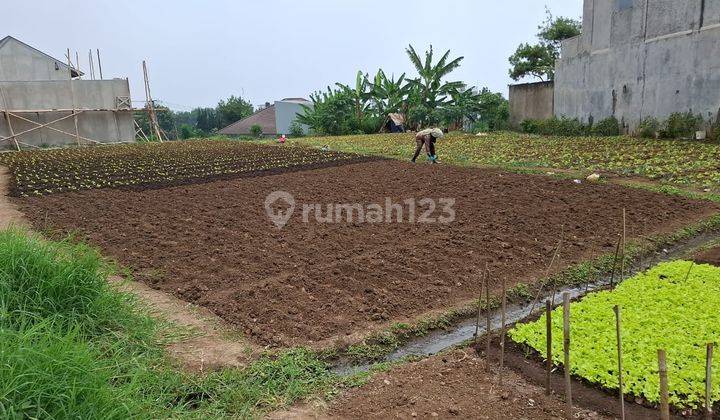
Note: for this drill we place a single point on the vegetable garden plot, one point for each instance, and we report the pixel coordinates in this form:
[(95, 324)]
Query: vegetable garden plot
[(315, 283), (679, 162), (660, 310), (52, 171)]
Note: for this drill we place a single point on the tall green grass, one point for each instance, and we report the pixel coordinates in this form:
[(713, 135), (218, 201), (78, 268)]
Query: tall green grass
[(71, 346)]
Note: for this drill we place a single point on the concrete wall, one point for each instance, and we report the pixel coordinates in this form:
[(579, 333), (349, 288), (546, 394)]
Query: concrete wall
[(21, 62), (103, 126), (531, 101), (285, 113), (641, 58)]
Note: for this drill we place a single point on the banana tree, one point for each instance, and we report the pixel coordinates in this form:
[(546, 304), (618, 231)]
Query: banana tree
[(360, 94), (434, 92), (388, 94)]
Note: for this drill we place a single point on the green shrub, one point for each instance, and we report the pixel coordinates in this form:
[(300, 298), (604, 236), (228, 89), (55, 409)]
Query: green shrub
[(648, 128), (187, 132), (296, 130), (256, 130), (672, 306), (568, 127), (531, 126), (608, 127), (680, 125)]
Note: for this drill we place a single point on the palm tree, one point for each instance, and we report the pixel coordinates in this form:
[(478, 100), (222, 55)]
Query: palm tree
[(433, 91)]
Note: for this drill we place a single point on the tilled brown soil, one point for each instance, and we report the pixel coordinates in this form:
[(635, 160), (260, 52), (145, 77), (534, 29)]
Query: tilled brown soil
[(710, 256), (212, 244), (454, 385)]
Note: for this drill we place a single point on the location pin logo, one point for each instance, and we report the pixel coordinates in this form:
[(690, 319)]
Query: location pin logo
[(279, 217)]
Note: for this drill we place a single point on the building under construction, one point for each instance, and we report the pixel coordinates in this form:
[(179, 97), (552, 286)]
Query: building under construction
[(44, 102)]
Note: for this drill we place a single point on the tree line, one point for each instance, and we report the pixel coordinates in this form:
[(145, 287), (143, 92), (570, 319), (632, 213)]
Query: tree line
[(198, 122), (427, 99)]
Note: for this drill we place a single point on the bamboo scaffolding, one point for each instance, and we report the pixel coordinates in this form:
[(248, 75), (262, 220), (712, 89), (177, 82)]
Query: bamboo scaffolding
[(13, 136)]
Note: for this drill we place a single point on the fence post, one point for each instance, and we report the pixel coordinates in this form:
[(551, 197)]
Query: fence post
[(664, 393), (548, 354), (503, 320), (488, 325), (708, 382), (566, 349), (620, 366)]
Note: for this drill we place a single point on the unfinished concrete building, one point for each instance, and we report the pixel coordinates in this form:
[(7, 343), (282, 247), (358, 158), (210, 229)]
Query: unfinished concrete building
[(44, 103), (641, 58)]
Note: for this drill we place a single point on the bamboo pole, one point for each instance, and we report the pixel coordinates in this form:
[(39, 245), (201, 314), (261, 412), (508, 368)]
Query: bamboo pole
[(664, 393), (488, 325), (99, 64), (503, 320), (479, 305), (151, 105), (47, 125), (687, 275), (624, 242), (547, 271), (72, 95), (566, 350), (614, 264), (548, 350), (708, 382), (620, 365), (13, 136)]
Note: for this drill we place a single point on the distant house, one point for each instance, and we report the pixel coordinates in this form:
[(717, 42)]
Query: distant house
[(274, 119)]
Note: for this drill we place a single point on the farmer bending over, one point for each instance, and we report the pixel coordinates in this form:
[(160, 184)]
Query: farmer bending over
[(427, 138)]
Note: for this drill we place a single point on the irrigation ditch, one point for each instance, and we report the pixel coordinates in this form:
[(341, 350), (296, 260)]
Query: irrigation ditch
[(458, 328)]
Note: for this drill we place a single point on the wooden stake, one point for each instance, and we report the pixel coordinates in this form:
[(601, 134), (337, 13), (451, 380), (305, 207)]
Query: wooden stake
[(620, 366), (617, 251), (502, 328), (664, 393), (479, 305), (687, 275), (708, 382), (548, 350), (566, 350), (624, 238), (547, 271), (488, 327)]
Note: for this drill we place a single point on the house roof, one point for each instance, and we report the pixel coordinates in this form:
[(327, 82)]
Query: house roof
[(265, 118), (295, 100), (61, 63)]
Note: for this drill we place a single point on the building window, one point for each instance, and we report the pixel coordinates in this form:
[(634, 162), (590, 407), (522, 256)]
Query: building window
[(625, 4)]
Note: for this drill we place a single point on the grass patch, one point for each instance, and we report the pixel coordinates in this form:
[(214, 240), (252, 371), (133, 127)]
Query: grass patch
[(72, 346), (661, 310)]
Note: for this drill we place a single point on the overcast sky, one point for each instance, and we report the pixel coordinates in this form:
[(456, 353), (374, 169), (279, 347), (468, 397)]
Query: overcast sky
[(199, 52)]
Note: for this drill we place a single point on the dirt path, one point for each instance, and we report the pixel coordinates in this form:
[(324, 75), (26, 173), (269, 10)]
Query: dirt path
[(9, 214), (210, 347)]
